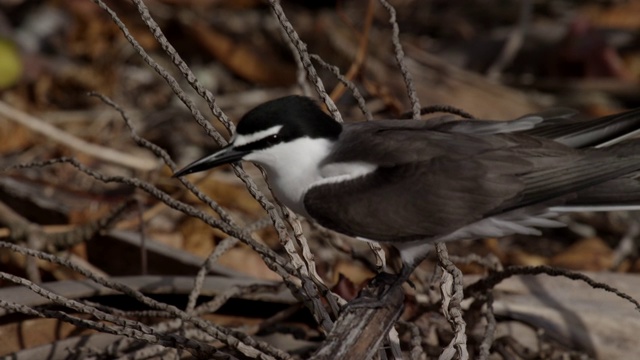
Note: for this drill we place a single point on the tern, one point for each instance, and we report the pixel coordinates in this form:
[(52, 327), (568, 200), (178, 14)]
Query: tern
[(411, 183)]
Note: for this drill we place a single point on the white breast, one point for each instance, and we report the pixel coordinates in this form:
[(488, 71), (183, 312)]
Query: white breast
[(294, 167)]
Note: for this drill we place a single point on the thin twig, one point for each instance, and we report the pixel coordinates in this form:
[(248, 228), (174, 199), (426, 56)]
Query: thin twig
[(417, 352), (55, 134), (439, 108), (85, 232), (360, 57), (52, 241), (240, 341), (452, 295), (349, 84), (490, 331), (190, 77), (236, 291), (495, 278), (305, 265), (123, 326), (332, 298), (187, 74), (162, 154), (273, 260), (490, 261), (513, 43), (408, 80), (171, 81), (301, 72), (301, 47), (222, 248)]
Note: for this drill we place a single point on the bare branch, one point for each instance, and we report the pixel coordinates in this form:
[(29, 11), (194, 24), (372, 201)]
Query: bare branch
[(171, 81), (417, 353), (235, 339), (359, 60), (222, 247), (490, 331), (358, 333), (439, 108), (514, 41), (301, 47), (123, 326), (187, 74), (55, 134), (349, 84), (452, 296), (408, 80), (495, 278), (274, 261), (190, 77)]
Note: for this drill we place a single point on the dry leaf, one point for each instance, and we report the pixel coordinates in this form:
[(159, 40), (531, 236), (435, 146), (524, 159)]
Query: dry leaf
[(14, 138), (623, 15), (345, 288), (245, 260), (519, 257), (199, 238), (229, 195), (587, 254), (34, 332), (243, 59), (352, 270)]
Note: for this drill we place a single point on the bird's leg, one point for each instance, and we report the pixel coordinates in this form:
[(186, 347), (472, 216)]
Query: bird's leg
[(379, 287), (372, 296)]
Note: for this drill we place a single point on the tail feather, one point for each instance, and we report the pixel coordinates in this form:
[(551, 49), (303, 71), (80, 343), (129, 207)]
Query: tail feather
[(622, 194), (598, 132)]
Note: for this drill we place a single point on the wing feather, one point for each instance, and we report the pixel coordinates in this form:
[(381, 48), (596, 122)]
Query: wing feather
[(429, 184)]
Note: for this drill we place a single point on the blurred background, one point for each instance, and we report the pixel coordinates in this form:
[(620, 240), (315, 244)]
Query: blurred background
[(493, 59)]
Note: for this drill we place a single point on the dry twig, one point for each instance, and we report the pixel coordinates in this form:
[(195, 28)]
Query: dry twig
[(57, 135), (452, 296)]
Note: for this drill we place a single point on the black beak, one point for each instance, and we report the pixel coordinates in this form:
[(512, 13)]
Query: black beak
[(223, 156)]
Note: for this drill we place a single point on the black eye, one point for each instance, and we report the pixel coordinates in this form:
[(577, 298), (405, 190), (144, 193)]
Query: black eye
[(273, 139)]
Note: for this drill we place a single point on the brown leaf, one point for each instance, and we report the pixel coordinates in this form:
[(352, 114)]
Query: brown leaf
[(587, 254), (34, 332), (247, 261), (519, 257), (259, 66), (623, 15), (345, 288), (229, 195), (14, 137), (352, 270), (199, 238)]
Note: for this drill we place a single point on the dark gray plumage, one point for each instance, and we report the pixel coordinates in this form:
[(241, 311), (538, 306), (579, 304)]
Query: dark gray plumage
[(430, 183)]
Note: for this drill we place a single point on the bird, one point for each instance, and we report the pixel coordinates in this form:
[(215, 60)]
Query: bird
[(412, 183)]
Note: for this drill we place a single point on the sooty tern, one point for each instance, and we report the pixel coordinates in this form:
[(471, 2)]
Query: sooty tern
[(411, 183)]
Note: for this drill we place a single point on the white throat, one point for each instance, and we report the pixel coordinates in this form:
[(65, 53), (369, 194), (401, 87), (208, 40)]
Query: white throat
[(293, 167)]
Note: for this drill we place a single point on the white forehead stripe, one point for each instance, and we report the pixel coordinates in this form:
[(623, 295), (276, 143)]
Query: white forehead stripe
[(240, 140)]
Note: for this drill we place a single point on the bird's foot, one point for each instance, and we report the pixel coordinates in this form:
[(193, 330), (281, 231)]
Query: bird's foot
[(374, 294), (383, 279)]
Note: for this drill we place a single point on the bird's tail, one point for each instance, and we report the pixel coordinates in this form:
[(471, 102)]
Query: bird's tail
[(599, 132), (622, 194)]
